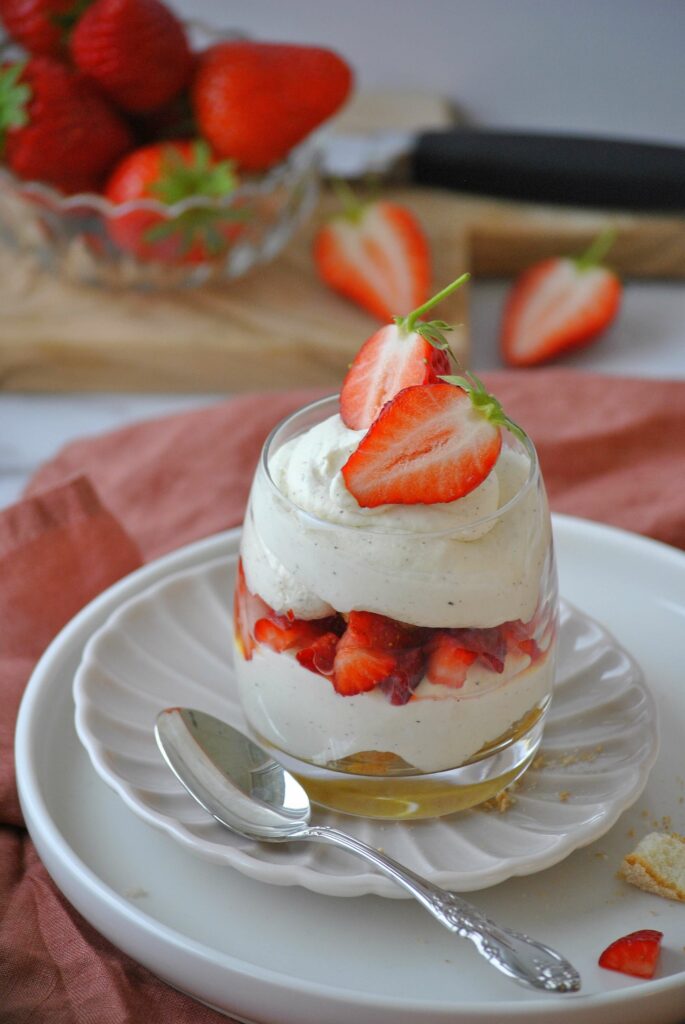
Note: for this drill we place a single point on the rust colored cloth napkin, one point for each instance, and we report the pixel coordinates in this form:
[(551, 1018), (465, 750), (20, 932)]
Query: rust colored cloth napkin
[(610, 449)]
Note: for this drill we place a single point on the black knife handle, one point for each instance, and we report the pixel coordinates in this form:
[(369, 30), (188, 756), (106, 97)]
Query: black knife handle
[(568, 169)]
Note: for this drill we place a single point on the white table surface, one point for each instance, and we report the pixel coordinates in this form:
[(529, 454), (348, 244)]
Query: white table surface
[(647, 340)]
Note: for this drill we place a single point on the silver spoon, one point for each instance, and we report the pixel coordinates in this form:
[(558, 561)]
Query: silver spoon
[(245, 789)]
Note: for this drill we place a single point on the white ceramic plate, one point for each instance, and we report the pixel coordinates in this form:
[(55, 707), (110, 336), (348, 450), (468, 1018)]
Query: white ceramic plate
[(289, 956), (172, 646)]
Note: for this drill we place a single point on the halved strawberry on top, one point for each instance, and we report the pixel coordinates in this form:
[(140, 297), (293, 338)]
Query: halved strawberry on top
[(387, 362), (406, 352), (429, 444)]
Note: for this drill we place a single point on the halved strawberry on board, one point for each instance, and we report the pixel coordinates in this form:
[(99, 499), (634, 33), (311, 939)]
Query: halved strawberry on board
[(558, 305), (375, 254)]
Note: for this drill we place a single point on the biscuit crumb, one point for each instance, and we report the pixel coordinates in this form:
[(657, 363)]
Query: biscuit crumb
[(657, 865), (501, 802), (564, 795)]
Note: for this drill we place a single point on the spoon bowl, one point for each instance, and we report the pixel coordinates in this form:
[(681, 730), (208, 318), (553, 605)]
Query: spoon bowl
[(249, 792)]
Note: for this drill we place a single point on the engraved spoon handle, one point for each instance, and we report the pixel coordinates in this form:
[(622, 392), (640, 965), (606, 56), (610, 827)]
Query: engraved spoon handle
[(517, 955)]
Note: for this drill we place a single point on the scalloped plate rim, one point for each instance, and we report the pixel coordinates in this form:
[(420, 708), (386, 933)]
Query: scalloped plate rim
[(362, 882)]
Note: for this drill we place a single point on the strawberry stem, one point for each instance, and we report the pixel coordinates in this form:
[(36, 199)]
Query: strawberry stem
[(486, 404), (352, 206), (408, 323), (597, 249)]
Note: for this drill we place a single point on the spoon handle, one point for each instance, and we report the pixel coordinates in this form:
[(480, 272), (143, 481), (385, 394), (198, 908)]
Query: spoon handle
[(517, 955)]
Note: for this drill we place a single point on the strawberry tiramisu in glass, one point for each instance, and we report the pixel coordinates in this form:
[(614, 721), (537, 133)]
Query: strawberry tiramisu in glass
[(396, 602)]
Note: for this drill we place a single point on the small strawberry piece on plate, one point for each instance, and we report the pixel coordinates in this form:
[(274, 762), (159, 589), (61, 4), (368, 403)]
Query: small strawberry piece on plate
[(448, 660), (429, 444), (635, 954), (375, 254), (255, 101), (558, 305), (135, 50)]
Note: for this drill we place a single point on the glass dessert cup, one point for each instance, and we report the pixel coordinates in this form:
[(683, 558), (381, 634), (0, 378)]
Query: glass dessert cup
[(451, 608)]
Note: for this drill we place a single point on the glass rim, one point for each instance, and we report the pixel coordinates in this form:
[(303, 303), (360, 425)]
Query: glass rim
[(450, 531)]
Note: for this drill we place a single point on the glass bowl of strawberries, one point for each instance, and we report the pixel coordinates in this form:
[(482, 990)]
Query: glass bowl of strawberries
[(396, 605), (190, 156)]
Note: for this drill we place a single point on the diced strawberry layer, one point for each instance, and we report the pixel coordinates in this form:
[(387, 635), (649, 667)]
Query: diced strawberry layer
[(489, 645), (448, 660), (365, 650), (247, 609), (319, 657), (635, 954), (408, 672)]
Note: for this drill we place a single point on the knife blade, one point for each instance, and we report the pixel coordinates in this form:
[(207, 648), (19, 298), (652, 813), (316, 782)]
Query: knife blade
[(534, 166)]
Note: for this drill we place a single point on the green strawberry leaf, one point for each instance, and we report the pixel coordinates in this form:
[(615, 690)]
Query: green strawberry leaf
[(489, 406), (14, 99), (181, 178)]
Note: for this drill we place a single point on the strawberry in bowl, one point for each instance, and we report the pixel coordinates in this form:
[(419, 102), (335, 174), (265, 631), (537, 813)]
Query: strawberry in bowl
[(397, 601), (176, 174), (90, 88)]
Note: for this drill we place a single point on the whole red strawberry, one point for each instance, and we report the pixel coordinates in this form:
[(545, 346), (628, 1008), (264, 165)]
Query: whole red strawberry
[(42, 26), (136, 51), (54, 127), (171, 172), (255, 101)]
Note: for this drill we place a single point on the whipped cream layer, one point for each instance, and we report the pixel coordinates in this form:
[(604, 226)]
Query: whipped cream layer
[(310, 549), (300, 712)]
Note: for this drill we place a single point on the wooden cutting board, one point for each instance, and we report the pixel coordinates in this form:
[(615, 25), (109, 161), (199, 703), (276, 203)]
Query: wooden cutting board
[(279, 326)]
